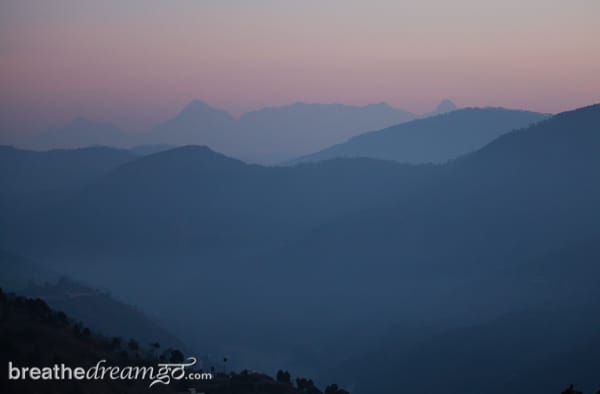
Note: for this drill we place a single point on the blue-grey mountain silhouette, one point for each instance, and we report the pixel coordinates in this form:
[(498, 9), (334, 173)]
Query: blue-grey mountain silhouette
[(288, 131), (33, 180), (268, 135), (81, 133), (327, 258), (274, 133), (198, 123), (443, 107), (432, 140)]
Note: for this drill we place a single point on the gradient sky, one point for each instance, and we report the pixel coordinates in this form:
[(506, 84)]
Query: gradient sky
[(138, 62)]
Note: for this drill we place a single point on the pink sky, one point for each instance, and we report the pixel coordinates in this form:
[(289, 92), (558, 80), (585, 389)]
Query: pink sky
[(138, 62)]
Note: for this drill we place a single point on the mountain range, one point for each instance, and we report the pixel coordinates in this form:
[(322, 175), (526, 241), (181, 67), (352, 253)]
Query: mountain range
[(31, 331), (267, 135), (95, 308), (332, 264), (435, 139), (80, 133)]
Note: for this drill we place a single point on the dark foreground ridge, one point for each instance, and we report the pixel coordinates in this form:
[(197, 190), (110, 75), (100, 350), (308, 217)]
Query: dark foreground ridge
[(34, 335)]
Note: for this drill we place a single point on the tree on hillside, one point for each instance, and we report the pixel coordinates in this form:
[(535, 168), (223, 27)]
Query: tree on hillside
[(133, 345), (115, 343), (307, 386), (284, 377), (176, 357), (571, 390), (77, 330), (334, 389), (154, 346)]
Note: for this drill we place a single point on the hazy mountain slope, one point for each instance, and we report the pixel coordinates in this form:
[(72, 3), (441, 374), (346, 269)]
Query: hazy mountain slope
[(32, 180), (291, 130), (193, 200), (275, 133), (268, 135), (511, 200), (143, 150), (432, 140), (188, 218), (347, 242), (502, 355), (197, 123), (99, 311), (81, 133), (24, 171), (525, 194), (437, 254), (94, 308), (443, 107), (16, 272), (495, 348), (33, 333)]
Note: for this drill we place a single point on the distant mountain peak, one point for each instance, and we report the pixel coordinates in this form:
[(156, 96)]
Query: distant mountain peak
[(199, 108), (196, 104), (184, 159), (194, 151), (80, 132), (381, 104), (445, 106)]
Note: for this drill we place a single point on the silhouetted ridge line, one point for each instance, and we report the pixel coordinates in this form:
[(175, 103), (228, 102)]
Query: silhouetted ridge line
[(436, 139)]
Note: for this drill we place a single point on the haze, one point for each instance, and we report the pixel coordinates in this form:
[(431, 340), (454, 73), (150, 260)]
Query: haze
[(138, 62)]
